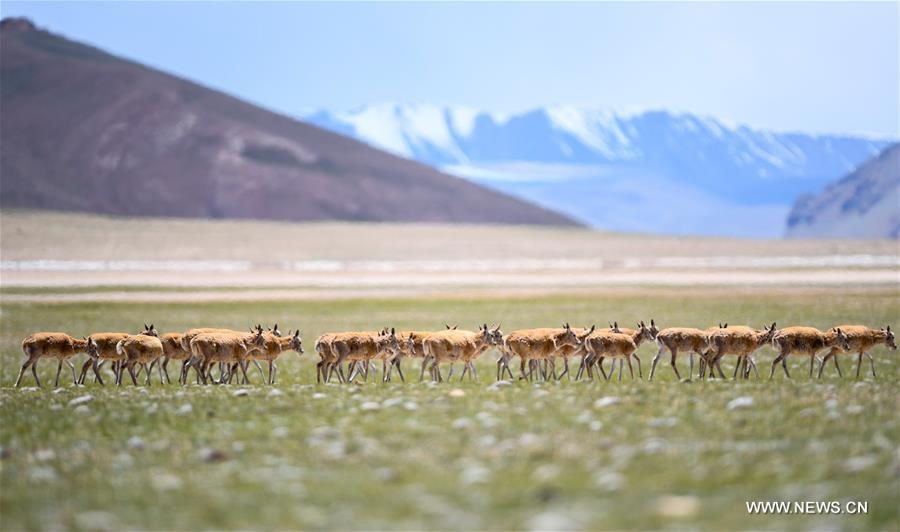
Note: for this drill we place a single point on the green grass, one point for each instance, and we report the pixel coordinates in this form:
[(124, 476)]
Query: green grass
[(522, 456)]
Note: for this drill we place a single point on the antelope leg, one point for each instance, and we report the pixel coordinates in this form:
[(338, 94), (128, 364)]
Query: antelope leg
[(825, 359), (25, 366), (871, 364), (96, 367), (775, 362), (674, 366), (655, 361), (72, 367), (58, 369), (399, 369), (34, 372), (835, 358)]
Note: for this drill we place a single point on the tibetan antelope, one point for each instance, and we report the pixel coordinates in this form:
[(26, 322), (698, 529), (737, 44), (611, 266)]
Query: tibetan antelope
[(188, 336), (601, 345), (139, 349), (804, 341), (410, 347), (735, 340), (101, 348), (272, 348), (173, 350), (361, 350), (459, 346), (588, 362), (227, 348), (534, 346), (354, 347), (329, 358), (56, 345), (861, 340), (692, 341)]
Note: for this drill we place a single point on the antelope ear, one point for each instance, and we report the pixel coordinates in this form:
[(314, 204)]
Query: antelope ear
[(610, 324), (726, 325), (773, 325), (652, 324), (297, 333), (888, 328), (485, 327), (392, 331), (497, 328)]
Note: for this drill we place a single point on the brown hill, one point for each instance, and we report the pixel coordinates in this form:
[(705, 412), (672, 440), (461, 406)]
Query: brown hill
[(864, 204), (84, 130)]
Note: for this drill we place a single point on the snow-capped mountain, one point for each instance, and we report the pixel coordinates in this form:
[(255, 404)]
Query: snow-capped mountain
[(652, 171)]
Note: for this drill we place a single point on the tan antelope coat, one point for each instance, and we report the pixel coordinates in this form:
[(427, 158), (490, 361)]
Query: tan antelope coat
[(861, 340), (459, 346), (736, 340), (685, 339), (225, 347), (104, 349), (139, 349), (601, 345), (804, 341), (537, 344), (56, 345), (272, 347)]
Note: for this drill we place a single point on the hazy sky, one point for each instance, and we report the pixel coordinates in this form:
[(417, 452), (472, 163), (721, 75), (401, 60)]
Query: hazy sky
[(788, 66)]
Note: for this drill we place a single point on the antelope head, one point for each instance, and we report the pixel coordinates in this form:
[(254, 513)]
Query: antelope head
[(889, 338), (768, 333), (296, 342), (92, 350), (654, 330), (275, 330), (587, 332), (567, 337), (645, 332), (258, 340), (491, 335), (842, 341), (150, 330), (388, 341)]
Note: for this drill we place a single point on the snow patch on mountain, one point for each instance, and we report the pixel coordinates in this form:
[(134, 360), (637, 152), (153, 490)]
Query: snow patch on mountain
[(720, 175)]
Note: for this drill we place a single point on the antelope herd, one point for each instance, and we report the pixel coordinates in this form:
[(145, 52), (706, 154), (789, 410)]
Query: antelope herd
[(348, 356)]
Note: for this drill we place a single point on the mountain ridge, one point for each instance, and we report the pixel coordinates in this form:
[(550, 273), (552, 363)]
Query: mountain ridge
[(85, 130), (863, 204), (708, 169)]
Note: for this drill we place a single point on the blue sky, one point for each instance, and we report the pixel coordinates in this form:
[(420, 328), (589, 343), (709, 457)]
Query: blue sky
[(820, 67)]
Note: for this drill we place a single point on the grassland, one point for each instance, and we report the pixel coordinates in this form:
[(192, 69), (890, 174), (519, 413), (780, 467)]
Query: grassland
[(550, 455)]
